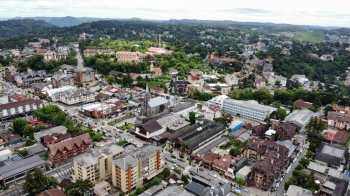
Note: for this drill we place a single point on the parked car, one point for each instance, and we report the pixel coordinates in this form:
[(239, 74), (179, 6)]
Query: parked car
[(201, 169), (237, 191), (192, 173)]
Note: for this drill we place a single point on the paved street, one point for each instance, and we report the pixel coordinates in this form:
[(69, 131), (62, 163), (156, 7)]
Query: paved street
[(80, 59)]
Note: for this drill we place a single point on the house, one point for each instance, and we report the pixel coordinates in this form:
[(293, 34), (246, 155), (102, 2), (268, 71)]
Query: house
[(9, 138), (231, 79), (14, 109), (327, 57), (55, 138), (50, 192), (101, 97), (222, 164), (211, 112), (341, 109), (195, 76), (331, 154), (156, 90), (268, 67), (29, 77), (102, 188), (286, 131), (115, 73), (338, 120), (243, 173), (180, 87), (298, 191), (273, 79), (155, 70), (69, 148), (302, 104), (259, 83), (102, 109), (158, 51), (334, 186), (208, 160), (173, 73)]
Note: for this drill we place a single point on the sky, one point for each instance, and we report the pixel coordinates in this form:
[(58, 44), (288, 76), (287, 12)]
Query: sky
[(301, 12)]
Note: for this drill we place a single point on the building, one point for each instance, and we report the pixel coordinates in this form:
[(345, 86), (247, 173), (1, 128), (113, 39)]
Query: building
[(158, 51), (302, 104), (98, 110), (208, 160), (92, 52), (231, 79), (341, 109), (19, 108), (74, 96), (173, 73), (156, 90), (96, 166), (130, 170), (184, 108), (243, 173), (180, 87), (29, 77), (132, 57), (8, 138), (222, 164), (47, 132), (102, 188), (270, 159), (217, 101), (16, 171), (247, 109), (150, 107), (195, 76), (101, 97), (211, 112), (327, 57), (299, 118), (286, 131), (69, 148), (331, 154), (338, 120), (334, 186), (298, 191), (50, 192), (272, 79), (71, 75), (259, 83)]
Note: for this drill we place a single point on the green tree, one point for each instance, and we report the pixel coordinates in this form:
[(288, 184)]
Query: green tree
[(166, 172), (18, 125), (111, 79), (327, 109), (36, 182), (308, 154), (79, 85), (281, 114), (218, 87), (305, 162), (28, 130), (140, 190), (79, 188), (183, 146), (162, 107), (192, 117), (23, 152), (315, 125), (240, 181), (234, 152), (184, 178)]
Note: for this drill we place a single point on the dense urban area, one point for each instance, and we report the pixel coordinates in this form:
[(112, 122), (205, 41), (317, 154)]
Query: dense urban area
[(178, 108)]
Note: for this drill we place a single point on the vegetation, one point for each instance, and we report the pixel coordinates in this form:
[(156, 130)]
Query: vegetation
[(308, 154), (18, 125), (79, 188), (23, 152), (36, 182), (111, 80), (240, 181), (315, 126), (192, 117), (122, 143), (310, 36), (11, 28), (302, 178)]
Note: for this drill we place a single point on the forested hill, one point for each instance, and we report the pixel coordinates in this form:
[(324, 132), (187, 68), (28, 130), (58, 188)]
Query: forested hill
[(11, 28)]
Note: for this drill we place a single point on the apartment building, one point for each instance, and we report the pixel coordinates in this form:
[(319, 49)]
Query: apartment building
[(129, 171), (69, 148), (21, 107), (74, 96), (103, 109), (96, 166), (71, 75), (247, 109)]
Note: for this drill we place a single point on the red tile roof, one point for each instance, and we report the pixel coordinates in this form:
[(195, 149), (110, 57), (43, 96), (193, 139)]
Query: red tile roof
[(302, 104), (157, 70)]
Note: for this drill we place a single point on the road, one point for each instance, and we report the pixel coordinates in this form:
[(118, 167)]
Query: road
[(80, 59)]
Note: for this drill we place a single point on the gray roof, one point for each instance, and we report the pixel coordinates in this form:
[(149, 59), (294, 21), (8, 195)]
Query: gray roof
[(250, 104), (223, 190), (131, 158), (21, 166), (157, 101), (183, 106), (35, 149), (241, 163), (298, 191), (50, 131), (212, 145), (332, 154), (289, 145), (195, 188), (299, 118), (340, 185)]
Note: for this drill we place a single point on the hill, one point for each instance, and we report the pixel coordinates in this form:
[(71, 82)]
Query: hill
[(11, 28), (67, 21)]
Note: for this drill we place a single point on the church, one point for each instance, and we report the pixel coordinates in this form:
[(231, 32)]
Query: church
[(153, 106)]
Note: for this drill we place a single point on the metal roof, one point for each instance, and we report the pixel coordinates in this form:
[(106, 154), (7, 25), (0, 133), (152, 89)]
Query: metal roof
[(157, 101), (21, 166)]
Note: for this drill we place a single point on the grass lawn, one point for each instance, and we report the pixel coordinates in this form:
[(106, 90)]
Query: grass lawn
[(121, 143), (128, 126), (311, 36)]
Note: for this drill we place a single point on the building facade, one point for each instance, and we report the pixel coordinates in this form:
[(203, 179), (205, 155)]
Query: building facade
[(130, 171), (74, 96), (18, 108), (247, 109), (71, 75), (68, 149)]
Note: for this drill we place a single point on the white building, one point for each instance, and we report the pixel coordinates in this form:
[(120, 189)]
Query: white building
[(183, 109), (211, 112), (247, 109), (74, 96), (218, 100), (21, 107), (231, 79)]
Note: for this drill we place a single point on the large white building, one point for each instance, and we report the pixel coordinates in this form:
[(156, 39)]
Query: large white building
[(218, 101), (247, 109)]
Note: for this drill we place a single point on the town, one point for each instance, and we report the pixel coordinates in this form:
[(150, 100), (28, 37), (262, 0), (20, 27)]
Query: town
[(103, 116)]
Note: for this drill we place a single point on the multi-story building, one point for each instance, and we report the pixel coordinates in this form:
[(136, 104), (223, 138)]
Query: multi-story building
[(180, 87), (247, 109), (195, 76), (339, 120), (69, 148), (123, 56), (29, 77), (19, 108), (74, 96), (71, 75), (130, 170), (92, 52), (96, 166), (270, 158)]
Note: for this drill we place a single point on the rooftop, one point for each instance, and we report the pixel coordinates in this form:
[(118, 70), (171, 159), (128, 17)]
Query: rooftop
[(157, 101), (250, 104), (21, 166), (244, 171)]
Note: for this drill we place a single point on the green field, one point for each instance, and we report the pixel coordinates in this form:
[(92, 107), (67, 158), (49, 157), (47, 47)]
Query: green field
[(311, 36)]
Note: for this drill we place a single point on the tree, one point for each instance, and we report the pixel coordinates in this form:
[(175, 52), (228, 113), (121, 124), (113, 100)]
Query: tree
[(315, 125), (28, 130), (184, 178), (218, 87), (183, 146), (308, 154), (23, 152), (18, 125), (162, 107), (166, 172), (240, 181), (234, 152), (327, 109), (192, 117), (281, 114), (79, 188), (36, 182), (305, 162), (110, 79), (29, 142), (140, 190), (79, 85)]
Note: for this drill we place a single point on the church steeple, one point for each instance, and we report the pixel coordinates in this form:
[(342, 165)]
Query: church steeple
[(145, 102)]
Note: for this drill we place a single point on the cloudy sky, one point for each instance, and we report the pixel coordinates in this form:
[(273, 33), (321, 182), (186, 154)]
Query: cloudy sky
[(309, 12)]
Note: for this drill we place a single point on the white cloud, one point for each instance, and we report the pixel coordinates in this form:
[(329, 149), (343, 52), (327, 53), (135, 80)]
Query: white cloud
[(309, 12)]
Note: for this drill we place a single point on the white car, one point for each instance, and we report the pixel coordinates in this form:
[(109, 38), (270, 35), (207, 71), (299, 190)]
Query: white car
[(237, 191), (174, 160)]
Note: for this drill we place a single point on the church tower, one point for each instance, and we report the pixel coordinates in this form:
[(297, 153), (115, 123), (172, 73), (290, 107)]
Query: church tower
[(145, 102)]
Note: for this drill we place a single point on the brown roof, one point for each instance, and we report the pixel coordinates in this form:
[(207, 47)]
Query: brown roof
[(18, 97), (223, 163), (259, 80), (302, 104), (248, 126), (101, 96), (215, 108), (157, 70), (289, 128), (69, 144), (152, 126), (65, 182), (52, 192), (341, 137), (48, 138), (155, 88), (20, 103), (210, 157)]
